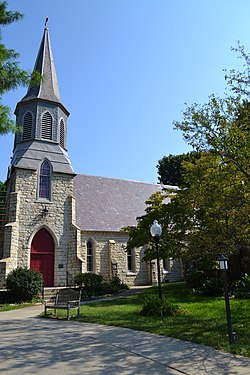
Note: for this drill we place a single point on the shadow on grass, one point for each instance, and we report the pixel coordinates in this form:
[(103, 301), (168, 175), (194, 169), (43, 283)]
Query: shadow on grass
[(204, 323)]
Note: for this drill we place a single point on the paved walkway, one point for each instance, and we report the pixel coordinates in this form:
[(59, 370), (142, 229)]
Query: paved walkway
[(30, 345)]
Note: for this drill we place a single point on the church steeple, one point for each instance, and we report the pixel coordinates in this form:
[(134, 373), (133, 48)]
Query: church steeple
[(43, 118), (48, 88)]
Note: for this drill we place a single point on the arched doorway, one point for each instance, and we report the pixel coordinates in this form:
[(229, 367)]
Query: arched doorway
[(42, 255)]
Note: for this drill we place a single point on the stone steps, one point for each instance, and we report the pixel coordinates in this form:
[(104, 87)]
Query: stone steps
[(49, 293)]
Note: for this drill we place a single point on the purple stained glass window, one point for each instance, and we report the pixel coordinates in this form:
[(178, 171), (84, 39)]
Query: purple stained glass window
[(45, 181)]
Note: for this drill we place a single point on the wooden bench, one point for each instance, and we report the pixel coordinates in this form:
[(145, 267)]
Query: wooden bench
[(66, 299)]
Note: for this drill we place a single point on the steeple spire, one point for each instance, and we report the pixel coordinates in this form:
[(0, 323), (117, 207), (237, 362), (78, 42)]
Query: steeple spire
[(48, 88), (43, 118)]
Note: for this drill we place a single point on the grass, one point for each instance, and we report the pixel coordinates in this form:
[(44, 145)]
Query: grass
[(204, 323), (13, 306)]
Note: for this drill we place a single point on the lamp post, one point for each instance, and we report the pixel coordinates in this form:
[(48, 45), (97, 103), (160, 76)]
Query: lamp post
[(223, 263), (156, 231)]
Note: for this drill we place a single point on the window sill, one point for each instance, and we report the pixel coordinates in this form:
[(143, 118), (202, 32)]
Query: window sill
[(165, 272), (131, 273), (43, 200)]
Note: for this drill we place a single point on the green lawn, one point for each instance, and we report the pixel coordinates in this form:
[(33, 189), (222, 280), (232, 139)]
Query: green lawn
[(8, 307), (204, 323)]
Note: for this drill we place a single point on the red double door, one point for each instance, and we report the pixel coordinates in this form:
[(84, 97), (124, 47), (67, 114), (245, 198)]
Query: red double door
[(43, 255)]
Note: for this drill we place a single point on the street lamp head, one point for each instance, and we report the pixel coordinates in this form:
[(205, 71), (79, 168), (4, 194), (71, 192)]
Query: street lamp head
[(223, 262), (156, 229)]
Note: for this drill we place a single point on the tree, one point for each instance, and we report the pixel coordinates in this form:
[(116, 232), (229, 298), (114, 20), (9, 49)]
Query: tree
[(209, 214), (11, 75), (171, 169), (158, 208), (2, 191)]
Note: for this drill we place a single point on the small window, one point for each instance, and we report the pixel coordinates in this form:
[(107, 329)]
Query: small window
[(165, 263), (27, 126), (46, 131), (90, 256), (45, 181), (62, 133), (130, 261)]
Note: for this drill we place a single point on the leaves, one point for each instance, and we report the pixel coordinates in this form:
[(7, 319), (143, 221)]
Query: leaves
[(11, 75), (210, 213)]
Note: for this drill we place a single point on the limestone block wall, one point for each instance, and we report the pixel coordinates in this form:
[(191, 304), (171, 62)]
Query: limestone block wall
[(29, 218), (171, 270), (110, 257)]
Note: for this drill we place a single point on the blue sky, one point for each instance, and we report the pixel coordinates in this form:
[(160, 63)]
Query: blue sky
[(125, 69)]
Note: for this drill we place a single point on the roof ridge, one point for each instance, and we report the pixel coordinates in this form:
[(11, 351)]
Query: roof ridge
[(122, 179)]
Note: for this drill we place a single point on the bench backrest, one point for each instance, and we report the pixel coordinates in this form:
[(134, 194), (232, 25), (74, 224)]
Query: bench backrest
[(65, 295)]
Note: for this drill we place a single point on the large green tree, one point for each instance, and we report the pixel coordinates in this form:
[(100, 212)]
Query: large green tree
[(11, 75), (158, 208), (171, 168), (210, 214)]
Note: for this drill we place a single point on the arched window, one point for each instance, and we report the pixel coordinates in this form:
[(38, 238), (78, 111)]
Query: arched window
[(90, 256), (45, 181), (62, 133), (130, 261), (27, 126), (46, 131)]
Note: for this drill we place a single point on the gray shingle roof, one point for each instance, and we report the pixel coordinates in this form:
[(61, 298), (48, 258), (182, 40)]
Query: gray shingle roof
[(29, 154), (108, 204)]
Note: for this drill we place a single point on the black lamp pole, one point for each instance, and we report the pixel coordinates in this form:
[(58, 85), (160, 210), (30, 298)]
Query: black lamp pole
[(157, 239), (223, 261), (156, 231)]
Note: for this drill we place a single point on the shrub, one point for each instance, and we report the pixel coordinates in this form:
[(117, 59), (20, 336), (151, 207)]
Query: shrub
[(241, 288), (94, 285), (211, 286), (91, 283), (153, 306), (116, 285), (194, 279), (24, 284)]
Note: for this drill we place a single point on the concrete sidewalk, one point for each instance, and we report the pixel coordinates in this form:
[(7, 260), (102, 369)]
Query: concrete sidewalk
[(31, 345)]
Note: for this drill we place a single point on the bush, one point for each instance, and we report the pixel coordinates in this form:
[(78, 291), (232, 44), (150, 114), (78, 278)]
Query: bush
[(241, 288), (194, 279), (94, 285), (24, 284), (116, 285), (201, 284), (91, 283), (211, 286), (153, 306)]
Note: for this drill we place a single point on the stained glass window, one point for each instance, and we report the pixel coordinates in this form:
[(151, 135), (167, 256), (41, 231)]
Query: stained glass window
[(90, 256), (45, 180)]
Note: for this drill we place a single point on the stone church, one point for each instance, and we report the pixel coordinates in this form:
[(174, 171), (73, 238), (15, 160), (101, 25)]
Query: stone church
[(59, 222)]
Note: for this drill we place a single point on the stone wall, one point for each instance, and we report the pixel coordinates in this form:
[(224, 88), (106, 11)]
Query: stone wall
[(110, 258), (26, 217)]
